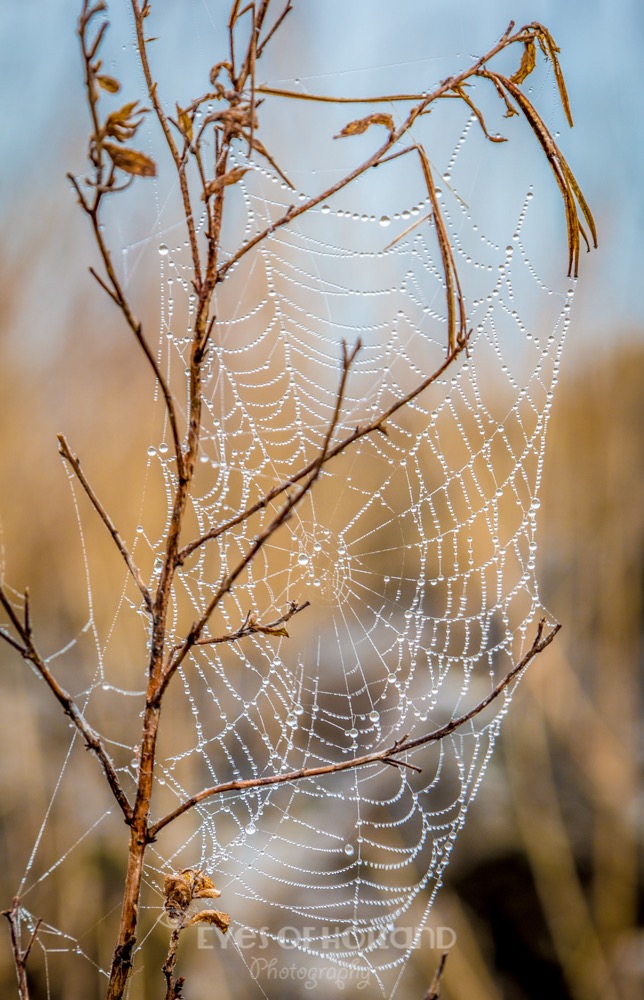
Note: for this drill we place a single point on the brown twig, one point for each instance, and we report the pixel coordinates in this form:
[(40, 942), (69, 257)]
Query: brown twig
[(20, 957), (238, 123), (162, 118), (280, 518), (388, 755), (394, 137), (92, 740), (434, 991), (253, 627), (106, 519), (359, 432)]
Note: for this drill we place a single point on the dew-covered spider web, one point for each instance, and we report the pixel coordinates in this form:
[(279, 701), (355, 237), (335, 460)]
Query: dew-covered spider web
[(414, 554)]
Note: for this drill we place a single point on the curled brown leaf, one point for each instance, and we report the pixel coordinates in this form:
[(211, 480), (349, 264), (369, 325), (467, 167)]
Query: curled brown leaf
[(361, 125), (528, 62), (108, 83), (213, 917), (234, 175), (131, 161)]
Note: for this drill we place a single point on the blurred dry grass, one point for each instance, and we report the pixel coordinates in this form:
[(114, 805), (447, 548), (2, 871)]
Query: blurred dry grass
[(543, 890)]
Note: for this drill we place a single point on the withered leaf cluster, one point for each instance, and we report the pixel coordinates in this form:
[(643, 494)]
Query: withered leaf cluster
[(119, 126), (181, 890)]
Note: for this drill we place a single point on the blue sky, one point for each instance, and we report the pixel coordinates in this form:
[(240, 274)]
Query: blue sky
[(350, 43)]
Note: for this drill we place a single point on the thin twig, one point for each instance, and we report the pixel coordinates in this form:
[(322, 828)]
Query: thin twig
[(117, 295), (252, 627), (355, 435), (434, 990), (20, 957), (162, 118), (387, 755), (296, 210), (93, 742), (292, 501), (106, 519)]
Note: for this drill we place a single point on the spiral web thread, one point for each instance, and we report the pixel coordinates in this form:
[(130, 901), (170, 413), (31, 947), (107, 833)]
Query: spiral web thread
[(416, 551)]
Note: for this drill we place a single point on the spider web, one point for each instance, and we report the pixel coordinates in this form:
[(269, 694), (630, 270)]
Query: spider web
[(416, 549)]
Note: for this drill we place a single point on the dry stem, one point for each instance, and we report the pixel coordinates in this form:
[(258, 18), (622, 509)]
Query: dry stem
[(110, 158), (20, 957), (388, 755)]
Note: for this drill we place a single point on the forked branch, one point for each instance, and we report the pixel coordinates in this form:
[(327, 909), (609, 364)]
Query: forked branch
[(282, 515), (388, 755), (25, 646), (20, 957)]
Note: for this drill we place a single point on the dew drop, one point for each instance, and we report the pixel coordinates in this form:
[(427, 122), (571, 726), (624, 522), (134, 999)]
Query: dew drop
[(385, 220), (152, 451), (163, 250), (374, 716), (303, 559), (325, 210), (352, 733), (349, 850)]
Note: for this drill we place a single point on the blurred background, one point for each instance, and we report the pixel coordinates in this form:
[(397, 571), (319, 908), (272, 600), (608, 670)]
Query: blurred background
[(544, 890)]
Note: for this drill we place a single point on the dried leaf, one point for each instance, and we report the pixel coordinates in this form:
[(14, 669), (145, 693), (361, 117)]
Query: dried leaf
[(121, 125), (570, 191), (207, 894), (267, 630), (131, 161), (361, 125), (214, 917), (462, 93), (108, 83), (259, 146), (185, 123), (234, 175), (550, 50), (528, 62)]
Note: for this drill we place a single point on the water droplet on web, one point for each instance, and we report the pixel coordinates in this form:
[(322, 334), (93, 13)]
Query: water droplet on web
[(303, 559), (352, 733), (374, 716), (349, 850), (152, 451), (163, 250), (385, 220), (251, 829), (325, 210)]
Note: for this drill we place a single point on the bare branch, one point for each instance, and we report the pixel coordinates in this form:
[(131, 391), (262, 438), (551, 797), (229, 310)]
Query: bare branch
[(179, 160), (355, 435), (434, 990), (388, 755), (271, 32), (348, 357), (118, 297), (253, 627), (20, 957), (92, 740), (105, 518), (420, 108)]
